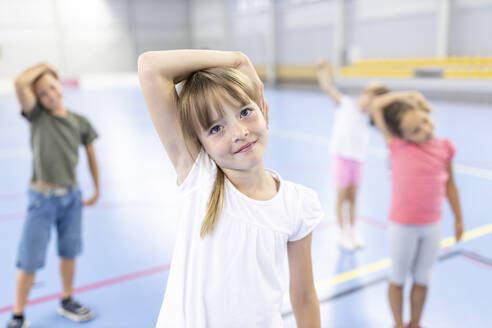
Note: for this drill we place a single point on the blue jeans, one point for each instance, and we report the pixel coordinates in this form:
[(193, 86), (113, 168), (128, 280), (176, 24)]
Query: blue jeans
[(44, 211)]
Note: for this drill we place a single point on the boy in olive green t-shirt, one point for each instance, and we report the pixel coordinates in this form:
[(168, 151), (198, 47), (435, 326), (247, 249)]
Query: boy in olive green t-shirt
[(54, 196)]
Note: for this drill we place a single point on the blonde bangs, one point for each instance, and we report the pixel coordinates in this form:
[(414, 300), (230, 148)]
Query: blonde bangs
[(205, 93)]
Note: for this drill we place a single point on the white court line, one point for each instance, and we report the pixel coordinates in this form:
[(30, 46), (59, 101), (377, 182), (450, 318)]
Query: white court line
[(476, 172)]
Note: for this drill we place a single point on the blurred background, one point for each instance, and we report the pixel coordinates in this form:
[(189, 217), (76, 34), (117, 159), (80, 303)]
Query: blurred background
[(408, 42), (442, 48)]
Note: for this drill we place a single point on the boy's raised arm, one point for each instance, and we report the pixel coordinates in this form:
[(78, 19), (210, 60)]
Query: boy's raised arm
[(23, 86)]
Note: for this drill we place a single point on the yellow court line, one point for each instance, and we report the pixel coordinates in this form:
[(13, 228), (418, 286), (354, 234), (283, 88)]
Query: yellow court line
[(472, 234), (385, 263)]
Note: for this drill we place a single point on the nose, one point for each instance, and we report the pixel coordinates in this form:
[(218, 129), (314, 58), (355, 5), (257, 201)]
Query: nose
[(240, 131)]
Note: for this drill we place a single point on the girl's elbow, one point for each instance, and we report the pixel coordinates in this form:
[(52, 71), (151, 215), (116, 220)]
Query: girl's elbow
[(143, 63)]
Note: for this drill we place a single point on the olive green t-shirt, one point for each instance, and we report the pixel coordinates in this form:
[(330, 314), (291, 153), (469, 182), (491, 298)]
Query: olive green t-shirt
[(55, 143)]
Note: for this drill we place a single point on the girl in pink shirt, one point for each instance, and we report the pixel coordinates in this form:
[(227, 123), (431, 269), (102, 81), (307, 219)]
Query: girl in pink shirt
[(421, 176)]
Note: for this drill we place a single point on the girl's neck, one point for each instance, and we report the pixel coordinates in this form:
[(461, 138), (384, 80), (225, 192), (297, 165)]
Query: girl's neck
[(255, 183)]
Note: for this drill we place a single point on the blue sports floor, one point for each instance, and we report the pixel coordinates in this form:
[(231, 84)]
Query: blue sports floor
[(129, 233)]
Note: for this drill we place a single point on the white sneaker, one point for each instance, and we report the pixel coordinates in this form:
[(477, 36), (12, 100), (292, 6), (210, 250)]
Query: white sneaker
[(345, 242)]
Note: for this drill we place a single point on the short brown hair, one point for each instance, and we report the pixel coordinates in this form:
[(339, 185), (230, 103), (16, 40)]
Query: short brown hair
[(378, 91), (393, 114)]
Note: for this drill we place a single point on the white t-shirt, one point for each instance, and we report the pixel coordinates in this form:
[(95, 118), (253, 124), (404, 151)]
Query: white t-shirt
[(237, 276), (350, 137)]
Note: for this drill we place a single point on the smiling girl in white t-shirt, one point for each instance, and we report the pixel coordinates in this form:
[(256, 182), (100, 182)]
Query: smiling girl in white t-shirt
[(245, 233)]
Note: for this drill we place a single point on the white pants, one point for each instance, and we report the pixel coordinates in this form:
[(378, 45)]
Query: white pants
[(413, 249)]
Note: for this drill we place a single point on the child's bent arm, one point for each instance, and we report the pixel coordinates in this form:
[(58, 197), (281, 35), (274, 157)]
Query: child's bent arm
[(377, 112), (302, 291), (454, 201), (158, 72), (325, 81), (23, 86)]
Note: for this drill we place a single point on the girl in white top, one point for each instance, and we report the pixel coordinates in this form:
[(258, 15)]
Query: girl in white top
[(245, 233), (349, 143)]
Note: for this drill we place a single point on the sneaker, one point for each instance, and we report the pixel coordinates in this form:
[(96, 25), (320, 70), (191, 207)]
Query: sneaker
[(72, 310), (345, 242), (18, 323)]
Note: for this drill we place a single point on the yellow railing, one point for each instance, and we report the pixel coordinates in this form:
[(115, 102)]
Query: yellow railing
[(404, 68)]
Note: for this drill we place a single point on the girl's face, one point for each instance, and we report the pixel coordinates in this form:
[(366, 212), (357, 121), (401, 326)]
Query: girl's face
[(238, 139), (417, 126), (49, 92)]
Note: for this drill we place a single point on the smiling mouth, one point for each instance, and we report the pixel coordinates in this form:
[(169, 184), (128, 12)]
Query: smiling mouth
[(247, 147)]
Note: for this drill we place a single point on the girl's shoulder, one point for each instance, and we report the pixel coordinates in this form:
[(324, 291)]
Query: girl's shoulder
[(396, 143), (203, 169), (305, 209), (447, 147)]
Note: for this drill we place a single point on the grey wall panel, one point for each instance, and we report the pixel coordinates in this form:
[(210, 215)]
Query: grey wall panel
[(471, 30), (305, 46), (405, 36), (253, 46)]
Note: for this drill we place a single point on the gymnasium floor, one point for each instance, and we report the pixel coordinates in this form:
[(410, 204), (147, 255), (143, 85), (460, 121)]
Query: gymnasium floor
[(129, 234)]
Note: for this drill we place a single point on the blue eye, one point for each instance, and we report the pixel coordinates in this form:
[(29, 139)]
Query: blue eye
[(215, 129), (245, 112)]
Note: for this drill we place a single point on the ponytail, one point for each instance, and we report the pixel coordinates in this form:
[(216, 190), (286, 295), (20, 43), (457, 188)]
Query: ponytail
[(215, 204)]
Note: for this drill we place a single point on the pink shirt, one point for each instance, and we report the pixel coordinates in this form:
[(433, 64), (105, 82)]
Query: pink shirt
[(419, 175)]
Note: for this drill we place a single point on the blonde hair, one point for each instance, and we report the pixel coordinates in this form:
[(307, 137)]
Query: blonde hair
[(202, 94)]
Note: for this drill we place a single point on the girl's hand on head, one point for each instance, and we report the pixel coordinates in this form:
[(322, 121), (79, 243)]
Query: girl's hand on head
[(458, 228), (420, 100)]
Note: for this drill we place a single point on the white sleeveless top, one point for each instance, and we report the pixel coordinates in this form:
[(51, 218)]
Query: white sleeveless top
[(350, 137), (236, 276)]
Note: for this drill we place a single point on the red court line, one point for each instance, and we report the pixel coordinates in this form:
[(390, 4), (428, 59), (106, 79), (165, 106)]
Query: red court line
[(93, 286), (476, 259), (12, 216), (12, 196), (376, 223)]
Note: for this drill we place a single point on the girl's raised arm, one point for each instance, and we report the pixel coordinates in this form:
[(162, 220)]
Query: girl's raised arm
[(158, 72), (325, 81)]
